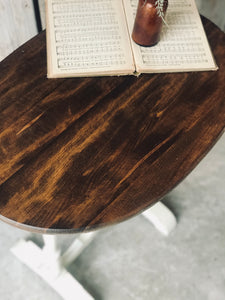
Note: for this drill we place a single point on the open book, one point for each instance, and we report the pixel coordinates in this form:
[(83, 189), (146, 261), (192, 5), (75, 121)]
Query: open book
[(93, 38)]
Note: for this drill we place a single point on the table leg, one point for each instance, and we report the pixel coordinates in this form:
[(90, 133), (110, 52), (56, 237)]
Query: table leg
[(161, 217), (49, 264), (77, 247)]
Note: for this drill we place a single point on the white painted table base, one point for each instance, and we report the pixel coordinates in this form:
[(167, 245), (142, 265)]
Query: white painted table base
[(161, 217), (50, 265)]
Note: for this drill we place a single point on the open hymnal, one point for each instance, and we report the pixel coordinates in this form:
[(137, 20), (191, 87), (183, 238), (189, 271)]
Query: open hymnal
[(93, 38)]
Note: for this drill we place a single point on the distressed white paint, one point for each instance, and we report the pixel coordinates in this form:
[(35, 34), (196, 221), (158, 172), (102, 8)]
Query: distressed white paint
[(76, 248), (17, 23), (161, 217), (47, 264), (51, 253), (50, 265)]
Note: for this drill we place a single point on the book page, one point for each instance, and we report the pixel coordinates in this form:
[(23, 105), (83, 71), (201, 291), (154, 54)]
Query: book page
[(183, 45), (87, 38)]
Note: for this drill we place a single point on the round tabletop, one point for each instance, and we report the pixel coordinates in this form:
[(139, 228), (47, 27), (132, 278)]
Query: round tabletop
[(78, 154)]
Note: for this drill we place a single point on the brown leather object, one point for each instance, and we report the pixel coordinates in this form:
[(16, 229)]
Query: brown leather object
[(148, 23)]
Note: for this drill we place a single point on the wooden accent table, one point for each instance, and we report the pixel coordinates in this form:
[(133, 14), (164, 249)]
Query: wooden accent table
[(78, 154)]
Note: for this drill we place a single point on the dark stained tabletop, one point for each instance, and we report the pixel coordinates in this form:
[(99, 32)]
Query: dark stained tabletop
[(78, 154)]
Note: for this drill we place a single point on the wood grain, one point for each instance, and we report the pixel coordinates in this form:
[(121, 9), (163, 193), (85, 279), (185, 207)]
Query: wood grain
[(78, 154)]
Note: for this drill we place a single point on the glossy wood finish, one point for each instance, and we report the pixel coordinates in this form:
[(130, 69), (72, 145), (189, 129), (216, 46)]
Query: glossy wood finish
[(78, 154)]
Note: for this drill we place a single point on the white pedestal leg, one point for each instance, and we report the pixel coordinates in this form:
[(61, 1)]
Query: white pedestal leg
[(51, 255), (161, 217), (50, 265), (76, 248)]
